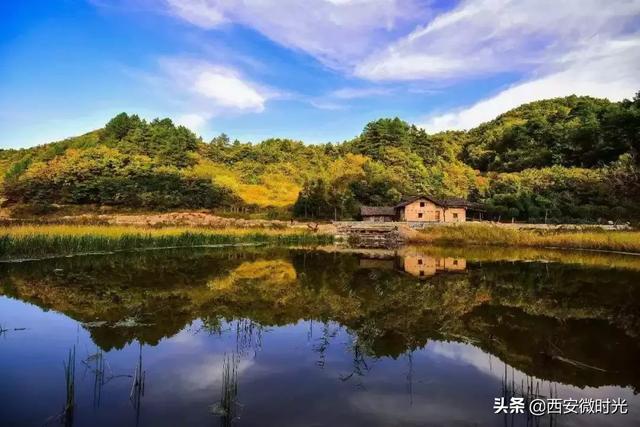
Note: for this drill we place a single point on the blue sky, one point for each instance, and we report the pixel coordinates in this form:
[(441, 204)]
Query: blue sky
[(314, 70)]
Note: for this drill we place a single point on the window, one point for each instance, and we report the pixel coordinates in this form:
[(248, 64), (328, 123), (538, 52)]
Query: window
[(421, 272), (422, 204), (420, 215), (455, 262), (420, 261), (455, 216)]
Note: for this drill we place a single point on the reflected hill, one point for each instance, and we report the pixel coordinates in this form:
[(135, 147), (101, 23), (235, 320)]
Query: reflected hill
[(570, 323)]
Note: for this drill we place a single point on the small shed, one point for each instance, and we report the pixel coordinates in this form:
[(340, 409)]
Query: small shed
[(378, 213)]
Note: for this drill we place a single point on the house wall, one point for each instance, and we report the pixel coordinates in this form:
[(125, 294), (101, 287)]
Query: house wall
[(455, 264), (425, 266), (419, 265), (430, 212), (455, 215)]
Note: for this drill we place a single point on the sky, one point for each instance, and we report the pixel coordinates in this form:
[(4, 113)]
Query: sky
[(311, 70)]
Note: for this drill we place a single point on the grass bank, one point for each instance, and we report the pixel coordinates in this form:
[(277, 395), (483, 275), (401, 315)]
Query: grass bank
[(511, 254), (40, 241), (480, 234)]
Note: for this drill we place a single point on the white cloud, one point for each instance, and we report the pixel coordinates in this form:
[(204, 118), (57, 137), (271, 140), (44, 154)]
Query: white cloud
[(323, 104), (228, 90), (194, 91), (338, 32), (354, 93), (607, 70), (586, 47), (214, 87), (202, 13), (489, 36), (193, 121), (339, 98)]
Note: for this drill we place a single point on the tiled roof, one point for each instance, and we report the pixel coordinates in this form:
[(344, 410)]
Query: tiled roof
[(414, 198), (377, 211), (453, 202)]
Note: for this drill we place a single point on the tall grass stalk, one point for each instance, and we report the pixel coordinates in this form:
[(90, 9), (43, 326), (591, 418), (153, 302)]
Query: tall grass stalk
[(137, 386), (70, 385), (228, 410)]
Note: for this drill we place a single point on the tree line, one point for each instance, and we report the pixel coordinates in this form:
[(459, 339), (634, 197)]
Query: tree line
[(564, 159)]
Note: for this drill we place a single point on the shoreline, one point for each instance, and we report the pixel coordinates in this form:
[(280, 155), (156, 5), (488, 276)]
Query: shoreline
[(610, 241), (47, 240), (24, 242)]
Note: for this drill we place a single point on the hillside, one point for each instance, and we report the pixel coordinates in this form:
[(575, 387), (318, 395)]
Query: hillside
[(566, 159), (573, 131)]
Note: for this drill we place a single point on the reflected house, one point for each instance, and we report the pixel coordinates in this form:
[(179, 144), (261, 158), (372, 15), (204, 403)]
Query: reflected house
[(420, 265), (377, 263), (416, 264)]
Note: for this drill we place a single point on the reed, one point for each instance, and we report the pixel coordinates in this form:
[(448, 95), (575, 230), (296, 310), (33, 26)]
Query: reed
[(229, 392), (35, 241), (70, 386), (228, 408), (480, 234)]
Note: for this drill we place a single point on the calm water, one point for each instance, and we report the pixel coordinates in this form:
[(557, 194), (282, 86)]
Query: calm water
[(289, 337)]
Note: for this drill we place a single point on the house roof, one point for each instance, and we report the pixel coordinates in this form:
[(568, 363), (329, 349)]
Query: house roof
[(377, 211), (453, 202), (414, 198)]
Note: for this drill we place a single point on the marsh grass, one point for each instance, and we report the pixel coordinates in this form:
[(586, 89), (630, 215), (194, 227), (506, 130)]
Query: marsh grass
[(35, 241), (479, 234)]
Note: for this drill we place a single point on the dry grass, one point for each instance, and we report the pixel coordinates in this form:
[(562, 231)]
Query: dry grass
[(33, 241), (477, 234), (119, 231)]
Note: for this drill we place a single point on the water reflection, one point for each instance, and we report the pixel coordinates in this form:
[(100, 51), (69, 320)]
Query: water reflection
[(413, 262), (393, 337)]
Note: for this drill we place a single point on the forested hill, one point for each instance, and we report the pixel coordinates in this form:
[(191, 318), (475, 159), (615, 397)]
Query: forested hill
[(569, 159), (572, 131)]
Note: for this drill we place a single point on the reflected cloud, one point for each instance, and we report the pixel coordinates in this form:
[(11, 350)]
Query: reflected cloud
[(438, 409), (206, 374)]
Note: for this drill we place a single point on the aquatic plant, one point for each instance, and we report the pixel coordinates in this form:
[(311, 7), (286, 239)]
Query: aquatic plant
[(97, 366), (228, 407), (70, 387), (137, 386)]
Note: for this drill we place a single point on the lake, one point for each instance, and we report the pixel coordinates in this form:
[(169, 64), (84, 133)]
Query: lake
[(263, 336)]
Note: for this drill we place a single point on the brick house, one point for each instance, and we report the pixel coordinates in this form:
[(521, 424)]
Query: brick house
[(419, 209)]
